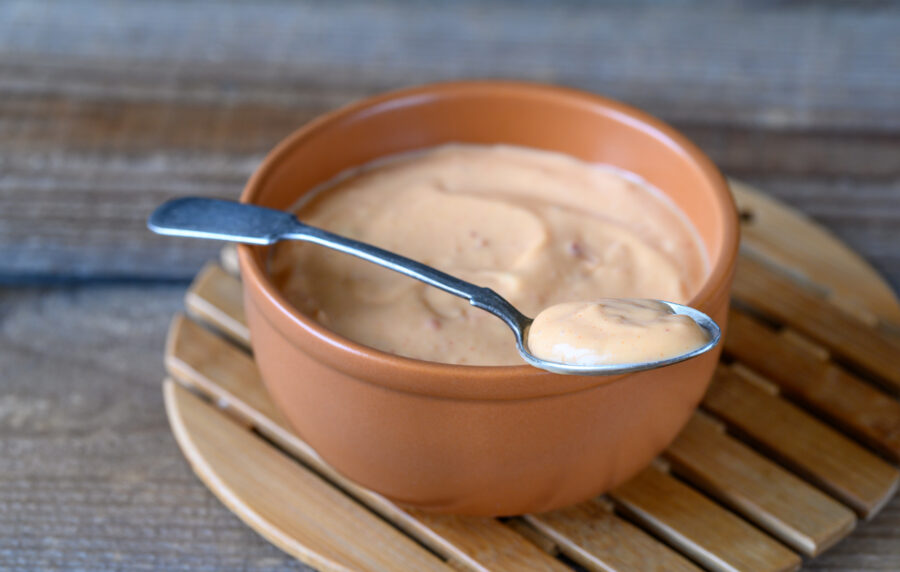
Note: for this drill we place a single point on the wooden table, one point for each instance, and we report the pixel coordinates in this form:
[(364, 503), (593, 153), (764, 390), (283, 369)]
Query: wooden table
[(108, 108)]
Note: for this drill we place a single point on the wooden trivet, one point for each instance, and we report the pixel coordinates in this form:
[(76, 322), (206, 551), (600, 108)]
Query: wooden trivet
[(797, 438)]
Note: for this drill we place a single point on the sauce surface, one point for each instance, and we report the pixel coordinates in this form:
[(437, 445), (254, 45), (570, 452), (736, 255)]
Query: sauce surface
[(540, 228), (614, 331)]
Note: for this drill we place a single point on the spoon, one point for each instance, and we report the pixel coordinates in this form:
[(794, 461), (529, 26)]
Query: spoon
[(250, 224)]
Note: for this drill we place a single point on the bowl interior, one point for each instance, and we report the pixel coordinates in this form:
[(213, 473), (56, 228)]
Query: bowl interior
[(585, 126)]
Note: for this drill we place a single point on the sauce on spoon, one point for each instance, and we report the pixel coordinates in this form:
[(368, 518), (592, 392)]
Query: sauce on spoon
[(612, 331)]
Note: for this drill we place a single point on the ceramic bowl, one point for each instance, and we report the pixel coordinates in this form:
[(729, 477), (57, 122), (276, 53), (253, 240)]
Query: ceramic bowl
[(473, 439)]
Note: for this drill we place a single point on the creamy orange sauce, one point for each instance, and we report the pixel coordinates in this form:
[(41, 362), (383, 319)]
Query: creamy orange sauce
[(615, 331), (540, 228)]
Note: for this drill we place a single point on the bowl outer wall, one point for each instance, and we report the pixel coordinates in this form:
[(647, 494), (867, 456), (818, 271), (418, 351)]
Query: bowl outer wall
[(480, 440)]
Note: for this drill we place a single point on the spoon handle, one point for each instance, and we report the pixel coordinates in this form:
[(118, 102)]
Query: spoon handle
[(238, 222)]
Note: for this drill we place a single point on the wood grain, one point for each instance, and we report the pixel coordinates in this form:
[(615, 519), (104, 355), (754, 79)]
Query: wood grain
[(302, 514), (227, 375), (106, 110), (90, 116), (89, 473), (716, 538), (805, 374), (215, 297), (591, 535), (814, 256), (773, 293), (757, 488), (90, 476), (816, 451)]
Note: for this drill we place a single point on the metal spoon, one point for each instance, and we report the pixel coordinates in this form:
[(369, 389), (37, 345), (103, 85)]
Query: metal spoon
[(237, 222)]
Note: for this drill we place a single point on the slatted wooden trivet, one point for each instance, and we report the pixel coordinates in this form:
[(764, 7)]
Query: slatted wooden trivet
[(797, 438)]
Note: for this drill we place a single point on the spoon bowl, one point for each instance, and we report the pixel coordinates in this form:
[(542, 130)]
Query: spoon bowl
[(709, 326), (218, 219)]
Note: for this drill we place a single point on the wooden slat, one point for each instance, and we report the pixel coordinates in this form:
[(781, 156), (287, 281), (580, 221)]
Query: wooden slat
[(228, 375), (511, 40), (782, 235), (697, 526), (98, 111), (521, 526), (805, 374), (806, 445), (217, 368), (215, 297), (591, 535), (763, 492), (294, 509), (489, 543), (773, 293), (228, 258)]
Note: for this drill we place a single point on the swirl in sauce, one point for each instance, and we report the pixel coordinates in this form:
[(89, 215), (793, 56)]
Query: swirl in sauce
[(540, 228)]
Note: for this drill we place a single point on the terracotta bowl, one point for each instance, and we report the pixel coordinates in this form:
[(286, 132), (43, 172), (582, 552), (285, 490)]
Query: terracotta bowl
[(474, 439)]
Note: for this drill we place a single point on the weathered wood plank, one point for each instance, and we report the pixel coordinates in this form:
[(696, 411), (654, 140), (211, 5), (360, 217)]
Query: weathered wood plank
[(52, 185), (90, 476), (215, 297), (797, 440), (219, 126), (89, 116)]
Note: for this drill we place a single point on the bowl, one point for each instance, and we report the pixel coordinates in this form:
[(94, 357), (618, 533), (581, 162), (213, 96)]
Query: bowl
[(480, 440)]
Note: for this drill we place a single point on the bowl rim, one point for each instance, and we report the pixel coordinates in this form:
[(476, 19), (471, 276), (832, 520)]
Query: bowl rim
[(255, 276)]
